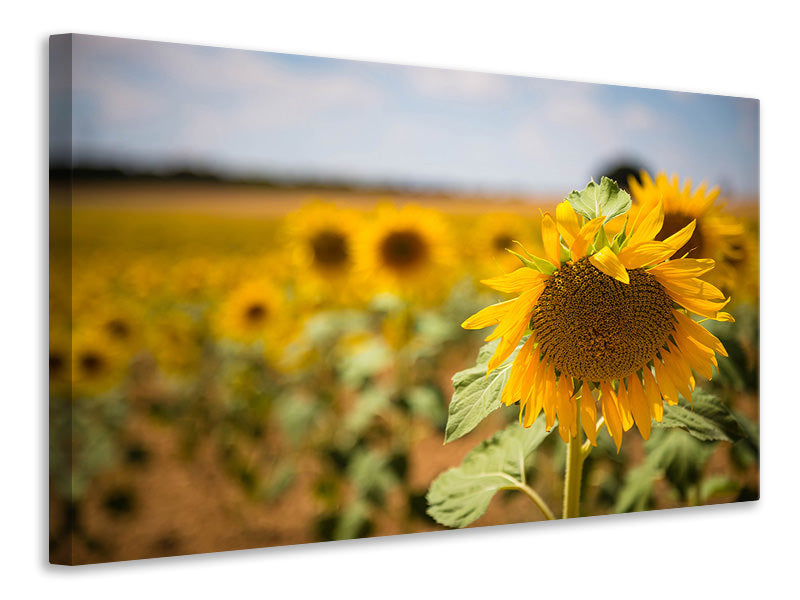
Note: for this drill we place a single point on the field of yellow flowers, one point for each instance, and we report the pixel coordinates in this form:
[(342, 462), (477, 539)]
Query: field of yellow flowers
[(235, 368)]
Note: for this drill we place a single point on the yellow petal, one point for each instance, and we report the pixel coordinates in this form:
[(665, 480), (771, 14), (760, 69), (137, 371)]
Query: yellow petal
[(706, 308), (665, 385), (698, 356), (650, 225), (512, 391), (488, 316), (678, 239), (683, 268), (517, 281), (652, 394), (551, 241), (624, 405), (568, 222), (679, 374), (585, 238), (646, 253), (610, 414), (639, 407), (588, 414), (565, 410), (549, 398), (694, 330), (512, 327), (607, 262), (535, 395), (694, 288)]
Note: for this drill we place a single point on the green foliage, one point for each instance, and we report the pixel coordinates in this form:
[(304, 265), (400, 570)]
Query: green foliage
[(427, 403), (605, 199), (635, 495), (367, 360), (476, 394), (707, 419), (462, 494), (370, 473), (672, 454)]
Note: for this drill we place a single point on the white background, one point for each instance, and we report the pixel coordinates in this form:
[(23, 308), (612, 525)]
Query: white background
[(744, 49)]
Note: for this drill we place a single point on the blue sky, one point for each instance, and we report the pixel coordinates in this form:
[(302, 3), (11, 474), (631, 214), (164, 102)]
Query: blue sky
[(161, 106)]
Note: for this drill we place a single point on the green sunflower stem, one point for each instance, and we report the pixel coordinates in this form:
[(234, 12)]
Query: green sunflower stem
[(573, 473)]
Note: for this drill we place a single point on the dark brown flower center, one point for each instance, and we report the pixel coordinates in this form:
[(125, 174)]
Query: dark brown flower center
[(91, 363), (502, 242), (595, 328), (255, 314), (330, 249), (673, 223), (403, 250), (55, 364), (118, 329)]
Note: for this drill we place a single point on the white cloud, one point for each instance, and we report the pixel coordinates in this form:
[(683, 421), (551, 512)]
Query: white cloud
[(443, 84), (132, 80)]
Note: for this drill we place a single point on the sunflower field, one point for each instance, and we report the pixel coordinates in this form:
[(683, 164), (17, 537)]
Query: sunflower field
[(229, 375)]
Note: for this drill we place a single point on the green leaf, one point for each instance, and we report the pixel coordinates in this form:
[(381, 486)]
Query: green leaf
[(476, 394), (462, 494), (352, 522), (637, 492), (717, 485), (681, 457), (605, 199), (536, 263), (369, 471), (709, 419), (425, 402)]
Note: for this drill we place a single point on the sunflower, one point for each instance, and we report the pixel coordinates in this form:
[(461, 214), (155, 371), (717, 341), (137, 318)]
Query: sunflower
[(321, 238), (174, 338), (406, 251), (96, 364), (603, 313), (498, 233), (58, 360), (120, 323), (255, 312), (717, 235)]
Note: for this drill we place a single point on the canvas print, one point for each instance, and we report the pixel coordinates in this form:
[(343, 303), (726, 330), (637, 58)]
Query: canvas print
[(298, 299)]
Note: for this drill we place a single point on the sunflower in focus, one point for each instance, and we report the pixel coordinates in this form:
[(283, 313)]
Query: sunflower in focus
[(607, 316), (321, 238), (406, 251), (716, 235)]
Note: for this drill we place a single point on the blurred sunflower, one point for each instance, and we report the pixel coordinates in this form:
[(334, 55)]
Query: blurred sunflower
[(194, 278), (321, 238), (607, 313), (96, 364), (121, 323), (58, 360), (498, 232), (255, 312), (745, 265), (717, 235), (175, 340), (407, 251)]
